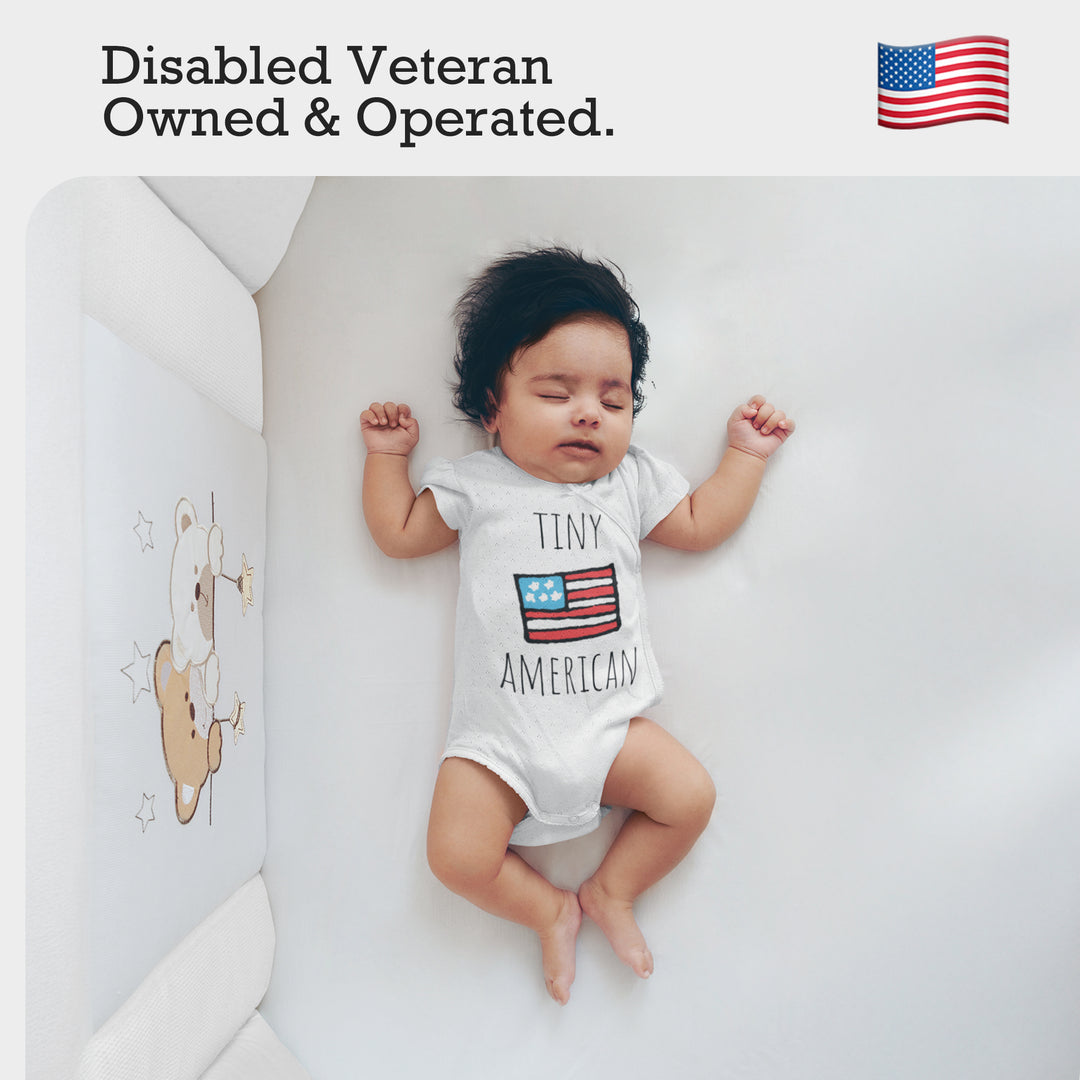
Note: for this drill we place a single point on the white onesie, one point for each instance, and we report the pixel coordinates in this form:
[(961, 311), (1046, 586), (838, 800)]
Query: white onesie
[(552, 655)]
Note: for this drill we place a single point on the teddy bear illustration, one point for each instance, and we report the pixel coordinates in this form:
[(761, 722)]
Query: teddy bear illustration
[(187, 672), (190, 736), (196, 564)]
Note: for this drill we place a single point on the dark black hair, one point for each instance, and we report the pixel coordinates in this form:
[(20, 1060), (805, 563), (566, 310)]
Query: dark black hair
[(517, 300)]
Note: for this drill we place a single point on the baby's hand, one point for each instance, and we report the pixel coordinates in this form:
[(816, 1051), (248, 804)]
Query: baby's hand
[(758, 428), (389, 429)]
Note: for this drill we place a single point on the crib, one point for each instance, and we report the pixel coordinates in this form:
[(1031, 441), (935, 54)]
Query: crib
[(236, 704)]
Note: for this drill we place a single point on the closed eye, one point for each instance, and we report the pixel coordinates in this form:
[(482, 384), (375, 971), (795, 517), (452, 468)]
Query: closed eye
[(555, 397)]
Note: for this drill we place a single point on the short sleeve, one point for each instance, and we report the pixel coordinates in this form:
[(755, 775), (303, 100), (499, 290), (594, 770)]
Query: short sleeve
[(660, 488), (440, 477)]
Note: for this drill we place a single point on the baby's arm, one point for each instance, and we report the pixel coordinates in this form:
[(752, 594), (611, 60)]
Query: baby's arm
[(719, 506), (401, 522)]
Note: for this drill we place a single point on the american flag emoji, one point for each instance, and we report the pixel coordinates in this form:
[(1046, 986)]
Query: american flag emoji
[(960, 79), (568, 606)]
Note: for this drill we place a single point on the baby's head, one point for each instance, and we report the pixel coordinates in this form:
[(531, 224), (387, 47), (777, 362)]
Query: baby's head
[(551, 357), (517, 300)]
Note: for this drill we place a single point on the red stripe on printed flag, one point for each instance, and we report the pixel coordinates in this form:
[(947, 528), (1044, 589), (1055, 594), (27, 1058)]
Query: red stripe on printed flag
[(572, 633), (576, 613), (588, 594)]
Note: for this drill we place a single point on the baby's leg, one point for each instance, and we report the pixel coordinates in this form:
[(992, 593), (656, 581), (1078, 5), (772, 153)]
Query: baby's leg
[(672, 797), (473, 814)]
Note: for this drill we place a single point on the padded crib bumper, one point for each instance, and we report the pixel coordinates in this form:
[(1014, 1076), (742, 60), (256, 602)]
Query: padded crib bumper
[(149, 936), (194, 1014)]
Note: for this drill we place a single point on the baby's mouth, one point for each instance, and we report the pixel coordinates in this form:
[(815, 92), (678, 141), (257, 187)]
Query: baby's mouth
[(582, 446)]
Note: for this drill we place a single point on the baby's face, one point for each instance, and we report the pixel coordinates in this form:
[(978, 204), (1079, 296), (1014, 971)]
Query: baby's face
[(566, 407)]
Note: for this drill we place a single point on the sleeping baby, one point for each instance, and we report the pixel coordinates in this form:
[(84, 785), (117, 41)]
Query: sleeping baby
[(554, 670)]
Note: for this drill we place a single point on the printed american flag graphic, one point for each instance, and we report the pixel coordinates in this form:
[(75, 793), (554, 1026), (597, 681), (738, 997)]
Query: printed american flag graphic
[(570, 605), (960, 79)]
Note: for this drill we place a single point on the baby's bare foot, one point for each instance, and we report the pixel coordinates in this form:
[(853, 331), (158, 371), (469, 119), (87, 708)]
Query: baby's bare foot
[(616, 919), (559, 945)]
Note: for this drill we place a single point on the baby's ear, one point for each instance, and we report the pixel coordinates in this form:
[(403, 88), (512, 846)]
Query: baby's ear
[(491, 416)]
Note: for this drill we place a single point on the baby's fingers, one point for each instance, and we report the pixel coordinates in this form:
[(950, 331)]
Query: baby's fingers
[(374, 414), (385, 414), (764, 413), (773, 419)]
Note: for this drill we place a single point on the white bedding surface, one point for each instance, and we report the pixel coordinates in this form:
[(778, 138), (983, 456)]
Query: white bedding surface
[(878, 669), (256, 1053)]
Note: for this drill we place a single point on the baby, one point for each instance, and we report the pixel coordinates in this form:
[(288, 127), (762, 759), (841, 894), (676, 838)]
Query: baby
[(553, 664)]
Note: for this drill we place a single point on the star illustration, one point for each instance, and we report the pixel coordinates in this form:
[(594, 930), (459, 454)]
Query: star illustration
[(245, 584), (138, 671), (142, 531), (236, 718), (146, 811)]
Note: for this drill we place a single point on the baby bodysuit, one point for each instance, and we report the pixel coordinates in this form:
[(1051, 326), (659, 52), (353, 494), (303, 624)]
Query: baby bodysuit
[(552, 656)]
